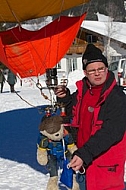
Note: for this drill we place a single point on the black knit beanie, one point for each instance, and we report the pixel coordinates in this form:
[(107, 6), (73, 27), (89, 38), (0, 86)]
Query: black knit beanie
[(93, 54)]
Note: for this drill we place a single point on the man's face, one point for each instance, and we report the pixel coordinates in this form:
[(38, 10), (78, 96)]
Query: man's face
[(96, 73)]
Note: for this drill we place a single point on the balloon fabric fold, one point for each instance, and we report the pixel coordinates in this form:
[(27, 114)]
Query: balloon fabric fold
[(30, 53)]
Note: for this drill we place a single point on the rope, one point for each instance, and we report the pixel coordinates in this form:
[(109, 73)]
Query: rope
[(40, 88), (81, 12), (24, 100), (43, 63), (64, 149), (13, 13), (46, 97), (21, 96)]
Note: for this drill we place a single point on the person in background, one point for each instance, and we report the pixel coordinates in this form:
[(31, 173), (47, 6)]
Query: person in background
[(11, 79), (2, 80), (98, 110)]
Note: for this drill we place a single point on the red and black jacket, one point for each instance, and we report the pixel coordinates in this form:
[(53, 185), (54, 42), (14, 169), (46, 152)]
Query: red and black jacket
[(106, 147)]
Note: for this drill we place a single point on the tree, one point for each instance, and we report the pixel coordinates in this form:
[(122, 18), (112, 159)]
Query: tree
[(113, 8), (106, 7)]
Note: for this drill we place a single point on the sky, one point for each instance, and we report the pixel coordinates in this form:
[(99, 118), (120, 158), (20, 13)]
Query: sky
[(20, 116)]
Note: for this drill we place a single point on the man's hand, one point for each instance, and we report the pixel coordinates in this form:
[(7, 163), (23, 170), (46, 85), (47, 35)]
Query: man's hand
[(60, 91), (76, 163)]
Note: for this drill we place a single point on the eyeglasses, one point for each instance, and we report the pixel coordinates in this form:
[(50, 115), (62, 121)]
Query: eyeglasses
[(99, 70)]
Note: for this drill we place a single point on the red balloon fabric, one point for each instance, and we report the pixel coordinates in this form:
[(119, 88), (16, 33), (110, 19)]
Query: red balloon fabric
[(30, 53)]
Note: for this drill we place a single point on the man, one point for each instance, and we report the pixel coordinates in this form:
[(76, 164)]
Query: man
[(2, 80), (11, 79), (99, 112)]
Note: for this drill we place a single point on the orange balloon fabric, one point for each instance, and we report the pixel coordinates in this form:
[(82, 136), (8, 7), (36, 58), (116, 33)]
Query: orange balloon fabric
[(22, 10), (30, 53)]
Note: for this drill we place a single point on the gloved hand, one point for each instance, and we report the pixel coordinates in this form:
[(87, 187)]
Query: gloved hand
[(72, 148), (42, 156), (60, 91)]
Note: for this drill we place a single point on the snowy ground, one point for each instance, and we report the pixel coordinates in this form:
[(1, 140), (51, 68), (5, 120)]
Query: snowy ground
[(19, 122)]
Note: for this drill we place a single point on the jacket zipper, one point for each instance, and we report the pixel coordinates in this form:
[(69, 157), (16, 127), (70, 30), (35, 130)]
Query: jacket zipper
[(111, 168)]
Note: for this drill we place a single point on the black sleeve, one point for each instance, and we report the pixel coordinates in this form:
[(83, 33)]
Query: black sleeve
[(112, 131), (69, 100)]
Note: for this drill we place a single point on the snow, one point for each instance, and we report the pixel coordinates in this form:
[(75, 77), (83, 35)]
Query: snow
[(19, 122), (103, 18), (105, 26), (37, 26), (20, 116)]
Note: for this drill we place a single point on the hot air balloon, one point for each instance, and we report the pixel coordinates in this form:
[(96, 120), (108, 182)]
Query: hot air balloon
[(30, 53), (18, 11)]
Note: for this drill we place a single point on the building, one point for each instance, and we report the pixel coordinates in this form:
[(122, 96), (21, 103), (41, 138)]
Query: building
[(107, 35)]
